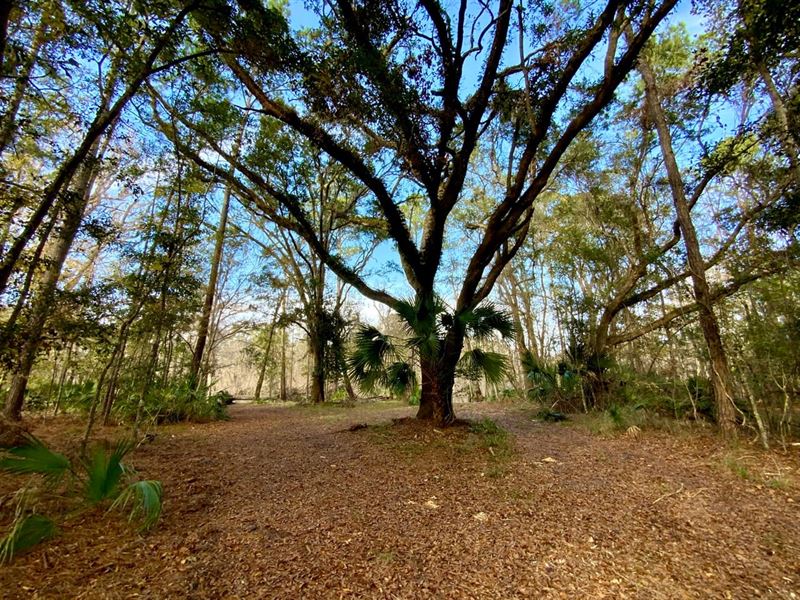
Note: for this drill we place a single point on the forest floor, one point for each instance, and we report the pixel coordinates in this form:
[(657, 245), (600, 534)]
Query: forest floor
[(287, 502)]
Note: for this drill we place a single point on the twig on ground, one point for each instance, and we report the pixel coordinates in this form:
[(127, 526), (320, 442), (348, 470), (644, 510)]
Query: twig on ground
[(676, 492)]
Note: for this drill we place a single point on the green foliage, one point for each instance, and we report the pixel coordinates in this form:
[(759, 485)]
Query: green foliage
[(415, 397), (400, 378), (487, 426), (737, 467), (495, 440), (223, 398), (27, 531), (425, 320), (70, 396), (36, 458), (373, 361), (179, 401), (104, 472), (371, 349), (144, 499), (542, 377), (478, 363), (101, 477), (482, 322)]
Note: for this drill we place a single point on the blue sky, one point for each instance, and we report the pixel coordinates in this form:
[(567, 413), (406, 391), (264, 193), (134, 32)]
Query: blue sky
[(394, 281)]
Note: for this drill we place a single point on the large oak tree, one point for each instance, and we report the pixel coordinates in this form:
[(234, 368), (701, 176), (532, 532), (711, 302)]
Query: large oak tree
[(409, 89)]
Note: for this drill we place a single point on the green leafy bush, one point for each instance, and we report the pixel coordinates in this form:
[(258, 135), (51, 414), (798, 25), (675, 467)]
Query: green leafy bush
[(415, 396)]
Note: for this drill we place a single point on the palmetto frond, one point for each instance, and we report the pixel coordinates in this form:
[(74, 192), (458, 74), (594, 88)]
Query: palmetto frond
[(485, 320), (104, 472), (536, 370), (400, 378), (26, 532), (371, 352), (37, 458), (144, 498), (423, 322), (372, 349), (477, 363)]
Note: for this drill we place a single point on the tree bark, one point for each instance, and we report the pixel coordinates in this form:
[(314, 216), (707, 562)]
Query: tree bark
[(317, 350), (721, 379), (438, 378), (284, 341), (5, 15)]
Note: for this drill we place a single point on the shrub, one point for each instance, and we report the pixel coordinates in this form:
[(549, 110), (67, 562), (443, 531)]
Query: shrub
[(415, 396), (180, 401), (99, 478)]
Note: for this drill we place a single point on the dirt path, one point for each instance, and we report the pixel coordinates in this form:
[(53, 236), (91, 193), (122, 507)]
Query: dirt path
[(283, 502)]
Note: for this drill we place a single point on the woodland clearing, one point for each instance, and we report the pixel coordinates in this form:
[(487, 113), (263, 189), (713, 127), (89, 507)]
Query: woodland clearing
[(288, 502)]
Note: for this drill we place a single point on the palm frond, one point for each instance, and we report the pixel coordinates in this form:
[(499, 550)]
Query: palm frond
[(425, 342), (485, 320), (144, 498), (372, 349), (370, 379), (477, 363), (422, 320), (407, 311), (536, 370), (400, 378), (104, 472), (25, 533), (35, 457)]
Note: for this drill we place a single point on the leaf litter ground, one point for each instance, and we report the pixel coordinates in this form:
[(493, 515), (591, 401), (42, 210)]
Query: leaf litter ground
[(295, 502)]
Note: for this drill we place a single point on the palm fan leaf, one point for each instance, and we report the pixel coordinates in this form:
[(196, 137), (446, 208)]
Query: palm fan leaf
[(25, 533), (485, 320), (400, 378), (144, 497), (536, 370), (35, 457), (422, 319), (479, 363), (104, 472), (372, 349)]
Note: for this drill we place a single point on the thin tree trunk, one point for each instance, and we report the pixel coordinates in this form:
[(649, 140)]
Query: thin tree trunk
[(720, 372), (41, 306), (5, 14), (62, 379), (284, 338), (789, 143), (348, 386), (211, 288), (267, 350), (21, 86), (523, 381)]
